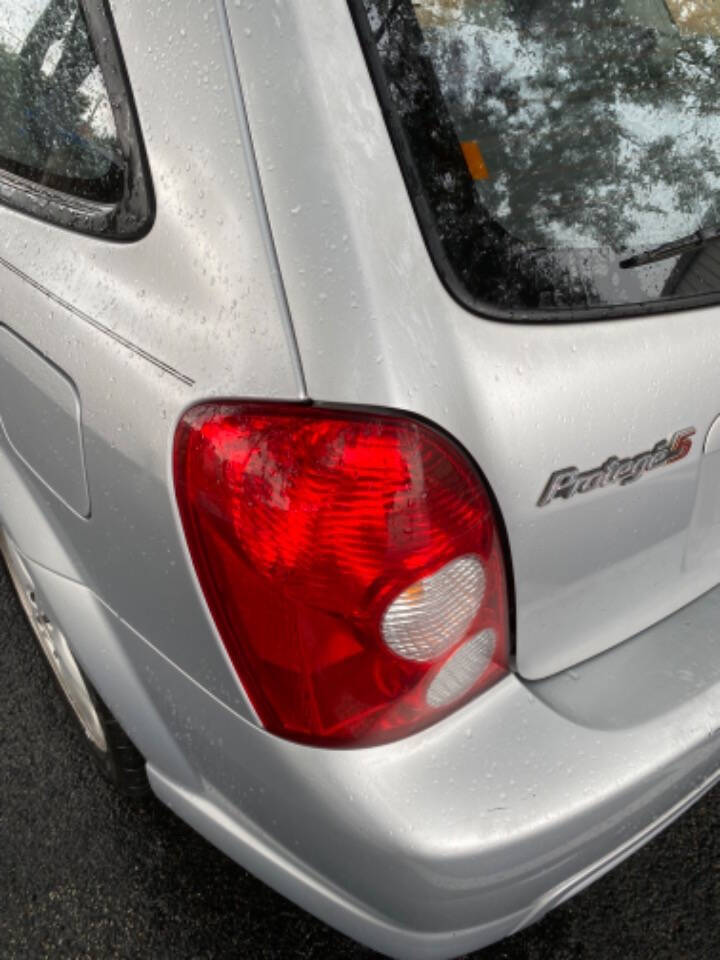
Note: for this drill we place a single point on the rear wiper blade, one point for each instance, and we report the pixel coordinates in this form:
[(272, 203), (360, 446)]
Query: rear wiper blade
[(673, 249)]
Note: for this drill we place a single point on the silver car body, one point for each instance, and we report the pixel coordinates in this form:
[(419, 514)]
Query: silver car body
[(286, 262)]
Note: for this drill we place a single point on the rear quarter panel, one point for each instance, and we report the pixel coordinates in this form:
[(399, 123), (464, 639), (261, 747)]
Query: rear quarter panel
[(144, 330)]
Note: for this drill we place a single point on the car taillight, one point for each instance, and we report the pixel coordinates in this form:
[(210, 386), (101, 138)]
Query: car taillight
[(351, 562)]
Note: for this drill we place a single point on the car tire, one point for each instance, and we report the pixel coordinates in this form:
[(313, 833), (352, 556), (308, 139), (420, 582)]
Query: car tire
[(120, 762), (115, 754)]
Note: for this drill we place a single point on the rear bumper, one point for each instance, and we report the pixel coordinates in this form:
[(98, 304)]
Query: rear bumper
[(375, 929), (452, 838)]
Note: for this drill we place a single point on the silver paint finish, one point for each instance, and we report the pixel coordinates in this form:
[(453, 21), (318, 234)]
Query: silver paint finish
[(40, 417), (123, 341), (712, 440), (703, 545), (260, 207), (443, 842), (464, 832), (195, 297), (375, 326)]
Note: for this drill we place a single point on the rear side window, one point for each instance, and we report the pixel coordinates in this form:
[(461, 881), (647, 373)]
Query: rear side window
[(69, 144), (563, 157)]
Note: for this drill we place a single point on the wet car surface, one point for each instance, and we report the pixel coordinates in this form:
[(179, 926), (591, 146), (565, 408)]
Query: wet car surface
[(88, 874), (384, 597)]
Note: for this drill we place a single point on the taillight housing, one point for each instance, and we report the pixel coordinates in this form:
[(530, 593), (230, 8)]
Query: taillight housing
[(352, 564)]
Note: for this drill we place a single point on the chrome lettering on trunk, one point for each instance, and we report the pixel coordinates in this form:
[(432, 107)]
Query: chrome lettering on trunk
[(567, 482)]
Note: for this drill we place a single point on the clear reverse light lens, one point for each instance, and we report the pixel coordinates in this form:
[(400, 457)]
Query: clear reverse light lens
[(462, 670), (433, 614)]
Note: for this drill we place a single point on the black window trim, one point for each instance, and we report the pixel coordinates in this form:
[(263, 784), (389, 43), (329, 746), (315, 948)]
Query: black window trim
[(132, 216), (422, 206)]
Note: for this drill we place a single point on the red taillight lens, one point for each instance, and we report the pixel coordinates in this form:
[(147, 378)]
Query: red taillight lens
[(351, 562)]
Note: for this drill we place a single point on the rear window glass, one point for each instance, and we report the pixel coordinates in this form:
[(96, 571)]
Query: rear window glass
[(56, 122), (563, 155)]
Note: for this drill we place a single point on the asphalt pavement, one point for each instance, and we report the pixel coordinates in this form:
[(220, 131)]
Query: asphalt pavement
[(87, 874)]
